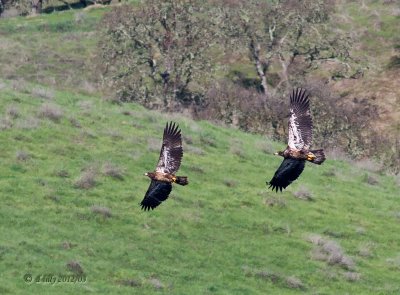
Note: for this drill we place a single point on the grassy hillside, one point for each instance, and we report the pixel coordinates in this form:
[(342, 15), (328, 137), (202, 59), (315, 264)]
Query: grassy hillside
[(374, 24), (59, 50), (55, 49), (72, 177)]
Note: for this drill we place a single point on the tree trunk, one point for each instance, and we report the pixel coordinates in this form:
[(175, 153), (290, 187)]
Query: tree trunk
[(261, 69), (262, 76), (284, 74), (36, 7), (1, 7)]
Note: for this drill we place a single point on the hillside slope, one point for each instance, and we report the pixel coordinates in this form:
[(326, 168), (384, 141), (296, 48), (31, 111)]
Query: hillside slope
[(72, 177), (59, 50), (374, 26)]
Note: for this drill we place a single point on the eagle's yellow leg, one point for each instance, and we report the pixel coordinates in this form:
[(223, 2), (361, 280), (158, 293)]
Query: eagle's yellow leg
[(174, 179), (310, 157)]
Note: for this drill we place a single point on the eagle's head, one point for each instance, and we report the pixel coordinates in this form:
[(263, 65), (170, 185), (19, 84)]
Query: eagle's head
[(279, 153), (149, 174)]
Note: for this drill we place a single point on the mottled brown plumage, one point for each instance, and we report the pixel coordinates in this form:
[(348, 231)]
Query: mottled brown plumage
[(166, 177), (168, 164), (298, 154)]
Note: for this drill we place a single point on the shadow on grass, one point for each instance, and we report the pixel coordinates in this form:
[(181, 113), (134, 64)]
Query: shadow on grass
[(75, 5)]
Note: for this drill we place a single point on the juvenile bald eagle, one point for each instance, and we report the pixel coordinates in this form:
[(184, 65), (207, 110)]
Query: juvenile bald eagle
[(168, 164), (300, 137)]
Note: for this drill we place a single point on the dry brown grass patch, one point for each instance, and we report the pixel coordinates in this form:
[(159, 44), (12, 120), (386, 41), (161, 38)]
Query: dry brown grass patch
[(329, 173), (303, 193), (352, 276), (75, 267), (369, 165), (129, 283), (370, 179), (62, 173), (153, 144), (28, 123), (114, 134), (230, 182), (208, 140), (86, 106), (74, 122), (5, 123), (394, 262), (43, 93), (262, 274), (331, 252), (103, 211), (22, 156), (275, 201), (156, 283), (113, 171), (195, 150), (294, 283), (238, 151), (68, 245), (187, 139), (265, 147), (87, 179), (51, 112), (12, 112)]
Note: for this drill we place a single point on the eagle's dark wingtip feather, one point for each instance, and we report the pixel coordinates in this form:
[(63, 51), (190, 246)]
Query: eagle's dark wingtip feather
[(145, 207), (172, 131), (288, 171), (273, 187), (300, 96), (157, 193)]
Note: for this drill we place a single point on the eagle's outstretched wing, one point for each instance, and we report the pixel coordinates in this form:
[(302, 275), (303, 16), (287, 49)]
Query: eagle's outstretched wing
[(288, 171), (158, 192), (300, 122), (171, 150)]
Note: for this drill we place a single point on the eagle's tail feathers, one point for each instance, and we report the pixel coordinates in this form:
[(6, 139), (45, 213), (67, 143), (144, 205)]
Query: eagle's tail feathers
[(316, 156), (182, 180)]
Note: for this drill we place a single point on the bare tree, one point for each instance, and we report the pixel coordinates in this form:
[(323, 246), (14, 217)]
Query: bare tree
[(2, 7), (24, 7), (36, 6), (157, 50), (285, 34)]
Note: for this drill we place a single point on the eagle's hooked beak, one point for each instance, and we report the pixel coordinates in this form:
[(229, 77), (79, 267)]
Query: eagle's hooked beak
[(276, 154), (146, 174)]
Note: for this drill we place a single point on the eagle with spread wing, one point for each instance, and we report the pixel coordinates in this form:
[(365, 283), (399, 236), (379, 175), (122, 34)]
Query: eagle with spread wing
[(300, 137), (168, 164)]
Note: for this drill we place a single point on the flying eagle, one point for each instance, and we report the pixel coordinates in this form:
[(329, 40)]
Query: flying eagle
[(168, 164), (300, 137)]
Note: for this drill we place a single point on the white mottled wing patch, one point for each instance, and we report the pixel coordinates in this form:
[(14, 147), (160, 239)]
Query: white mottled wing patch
[(171, 150), (295, 140), (300, 122), (163, 162)]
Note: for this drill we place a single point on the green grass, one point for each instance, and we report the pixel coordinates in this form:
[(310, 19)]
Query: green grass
[(214, 236), (55, 49), (225, 233), (376, 26)]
